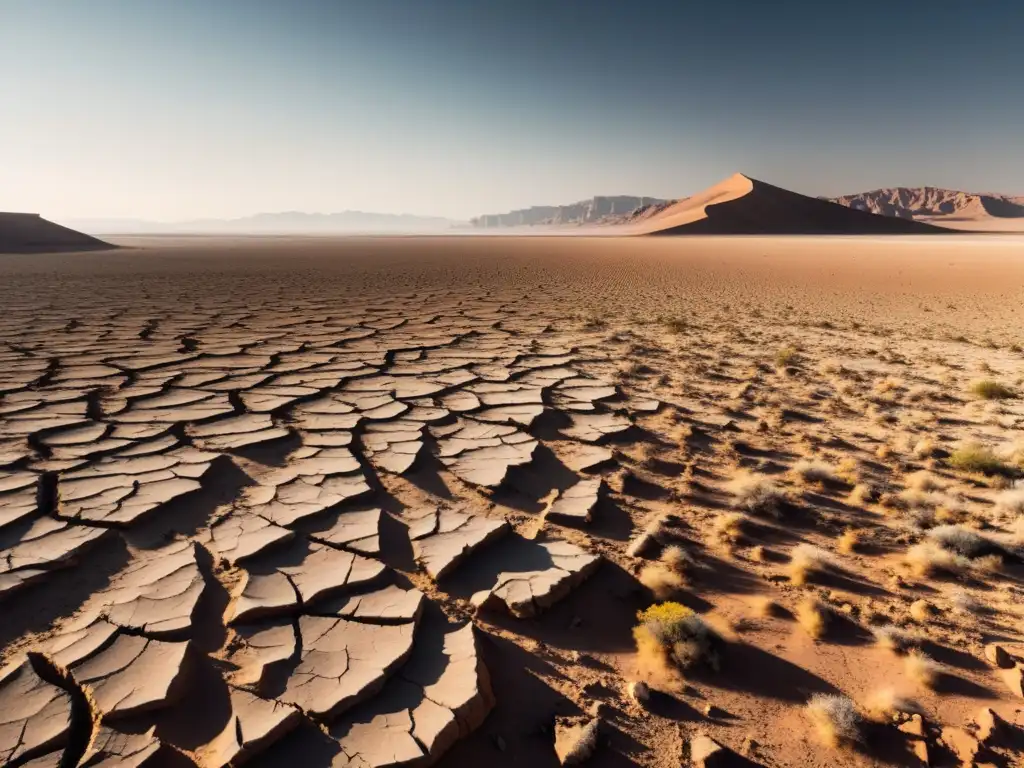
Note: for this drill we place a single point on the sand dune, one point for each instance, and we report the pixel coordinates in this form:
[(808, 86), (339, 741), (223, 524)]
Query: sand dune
[(744, 206), (31, 233)]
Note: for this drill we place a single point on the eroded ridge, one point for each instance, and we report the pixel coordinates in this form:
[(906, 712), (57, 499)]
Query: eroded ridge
[(211, 504)]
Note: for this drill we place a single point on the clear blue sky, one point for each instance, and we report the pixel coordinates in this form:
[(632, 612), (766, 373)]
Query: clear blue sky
[(176, 109)]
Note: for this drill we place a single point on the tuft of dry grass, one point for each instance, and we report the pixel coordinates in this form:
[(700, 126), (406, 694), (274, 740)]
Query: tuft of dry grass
[(757, 494), (847, 543), (863, 493), (806, 561), (765, 607), (921, 668), (662, 581), (894, 639), (975, 457), (728, 528), (963, 541), (923, 449), (922, 611), (811, 471), (835, 719), (965, 603), (987, 389), (924, 481), (786, 357), (928, 559), (812, 616), (1010, 503)]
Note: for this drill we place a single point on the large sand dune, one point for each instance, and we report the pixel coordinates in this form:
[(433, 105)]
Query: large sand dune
[(30, 233), (744, 206)]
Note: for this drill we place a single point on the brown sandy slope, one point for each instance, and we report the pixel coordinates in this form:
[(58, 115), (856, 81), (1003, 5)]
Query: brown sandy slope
[(943, 207), (31, 233), (744, 206)]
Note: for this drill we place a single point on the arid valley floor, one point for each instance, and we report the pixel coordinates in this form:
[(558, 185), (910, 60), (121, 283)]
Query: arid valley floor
[(399, 501)]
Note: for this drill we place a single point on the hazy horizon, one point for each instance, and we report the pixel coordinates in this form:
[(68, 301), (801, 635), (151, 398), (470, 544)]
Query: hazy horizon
[(189, 110)]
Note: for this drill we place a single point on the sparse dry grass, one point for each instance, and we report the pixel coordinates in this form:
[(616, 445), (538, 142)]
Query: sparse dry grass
[(964, 602), (927, 558), (812, 616), (987, 389), (816, 472), (923, 449), (847, 543), (921, 611), (662, 581), (921, 668), (835, 719), (895, 639), (757, 494), (728, 528), (863, 493), (963, 541), (974, 457), (785, 357), (806, 561), (885, 704), (1010, 503), (924, 481)]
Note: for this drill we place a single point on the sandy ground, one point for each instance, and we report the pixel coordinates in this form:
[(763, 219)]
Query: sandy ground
[(835, 374)]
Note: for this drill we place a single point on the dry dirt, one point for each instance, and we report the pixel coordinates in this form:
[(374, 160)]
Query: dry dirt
[(372, 501)]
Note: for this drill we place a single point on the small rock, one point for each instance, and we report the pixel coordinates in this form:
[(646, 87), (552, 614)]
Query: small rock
[(989, 724), (639, 692), (575, 740), (965, 746), (705, 752), (997, 655), (914, 726), (1014, 679)]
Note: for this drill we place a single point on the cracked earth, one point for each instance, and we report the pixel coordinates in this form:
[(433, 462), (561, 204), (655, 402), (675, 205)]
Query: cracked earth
[(382, 503)]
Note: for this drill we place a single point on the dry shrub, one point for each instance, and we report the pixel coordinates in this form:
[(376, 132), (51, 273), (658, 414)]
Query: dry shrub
[(671, 635), (786, 357), (928, 559), (975, 457), (810, 471), (965, 603), (728, 528), (678, 559), (812, 616), (924, 481), (895, 639), (863, 493), (847, 543), (923, 449), (835, 718), (1010, 503), (963, 541), (661, 580), (757, 494), (806, 561), (921, 668), (987, 389)]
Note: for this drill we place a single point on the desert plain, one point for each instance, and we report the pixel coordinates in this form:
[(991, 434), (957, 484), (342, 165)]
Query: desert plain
[(410, 501)]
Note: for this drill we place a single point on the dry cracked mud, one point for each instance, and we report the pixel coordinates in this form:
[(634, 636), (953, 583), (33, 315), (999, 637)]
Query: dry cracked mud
[(398, 502)]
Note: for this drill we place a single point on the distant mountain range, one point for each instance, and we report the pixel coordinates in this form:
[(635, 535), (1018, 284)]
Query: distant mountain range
[(945, 207), (596, 210), (285, 223)]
